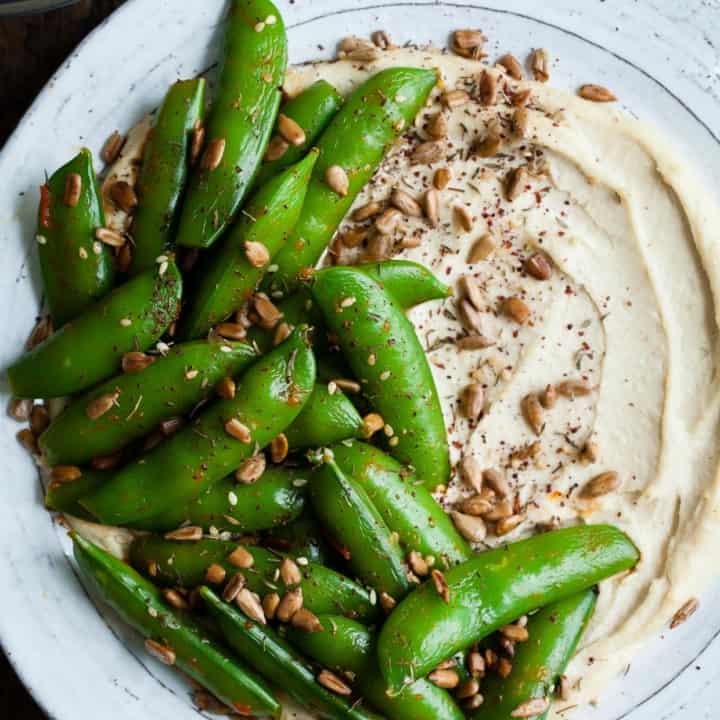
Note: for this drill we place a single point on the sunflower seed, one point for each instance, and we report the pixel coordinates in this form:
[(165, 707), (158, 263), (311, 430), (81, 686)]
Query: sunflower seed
[(372, 423), (290, 603), (476, 664), (447, 679), (441, 586), (539, 62), (99, 406), (487, 89), (289, 572), (538, 266), (574, 388), (277, 147), (489, 146), (279, 447), (238, 430), (215, 574), (112, 147), (160, 652), (467, 689), (533, 413), (516, 309), (226, 388), (548, 397), (468, 39), (684, 613), (481, 249), (514, 632), (307, 621), (256, 253), (189, 533), (213, 154), (250, 604), (134, 362), (251, 470), (241, 558), (454, 98), (473, 401), (290, 130), (388, 222), (437, 126), (428, 152), (512, 65), (602, 484), (333, 683), (496, 482), (110, 237), (197, 140), (405, 203), (470, 472), (515, 182), (270, 605), (531, 708), (442, 178), (123, 196), (596, 93), (233, 587), (471, 527)]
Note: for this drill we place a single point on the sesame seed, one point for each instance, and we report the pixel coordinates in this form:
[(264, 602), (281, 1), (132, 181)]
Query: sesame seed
[(299, 482), (273, 268), (232, 498), (347, 302), (225, 348), (400, 98), (385, 375), (302, 561), (225, 536), (160, 259), (213, 531), (152, 612), (394, 441), (83, 253), (259, 27), (191, 374), (163, 269), (373, 597), (388, 430), (372, 359), (97, 247), (126, 322), (41, 239), (162, 348), (332, 387), (270, 20)]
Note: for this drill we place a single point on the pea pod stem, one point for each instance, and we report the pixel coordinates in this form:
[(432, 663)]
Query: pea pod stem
[(187, 373), (254, 58), (382, 348), (493, 589), (344, 645), (76, 269), (312, 110), (174, 563), (164, 170), (356, 141), (88, 350), (228, 277), (276, 660), (555, 632), (269, 396), (347, 513), (181, 640)]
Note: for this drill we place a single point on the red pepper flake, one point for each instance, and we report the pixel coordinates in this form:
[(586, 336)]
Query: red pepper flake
[(45, 206)]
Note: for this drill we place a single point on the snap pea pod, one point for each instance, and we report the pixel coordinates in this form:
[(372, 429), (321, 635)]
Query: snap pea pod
[(228, 278), (301, 538), (312, 110), (380, 345), (89, 349), (164, 171), (346, 645), (555, 632), (356, 140), (76, 269), (168, 388), (326, 418), (254, 58), (343, 507), (277, 661), (172, 563), (64, 496), (493, 589), (277, 498), (409, 283), (405, 504), (269, 396), (140, 604)]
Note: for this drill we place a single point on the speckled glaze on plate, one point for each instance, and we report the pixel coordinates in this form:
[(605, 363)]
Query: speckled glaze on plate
[(659, 57)]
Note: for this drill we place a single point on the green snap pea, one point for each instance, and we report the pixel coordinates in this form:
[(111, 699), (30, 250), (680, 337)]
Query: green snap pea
[(312, 110), (356, 140), (380, 345), (326, 418), (276, 660), (186, 645), (409, 283), (555, 632), (76, 269), (168, 388), (346, 645), (405, 504), (344, 509), (164, 171), (64, 496), (176, 563), (493, 589), (228, 278), (277, 498), (89, 349), (253, 63), (269, 396), (301, 538)]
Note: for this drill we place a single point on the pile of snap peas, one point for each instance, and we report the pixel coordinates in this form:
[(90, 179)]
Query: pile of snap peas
[(270, 431)]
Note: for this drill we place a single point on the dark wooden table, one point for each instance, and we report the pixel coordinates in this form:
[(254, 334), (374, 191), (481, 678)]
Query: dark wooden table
[(31, 49)]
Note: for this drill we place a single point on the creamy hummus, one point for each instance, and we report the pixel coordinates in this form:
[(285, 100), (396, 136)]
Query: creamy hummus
[(630, 308)]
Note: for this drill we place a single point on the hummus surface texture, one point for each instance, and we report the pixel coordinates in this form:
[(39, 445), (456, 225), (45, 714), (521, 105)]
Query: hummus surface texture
[(630, 309)]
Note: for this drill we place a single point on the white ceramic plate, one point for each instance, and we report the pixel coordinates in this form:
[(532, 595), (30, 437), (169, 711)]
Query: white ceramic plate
[(658, 56)]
